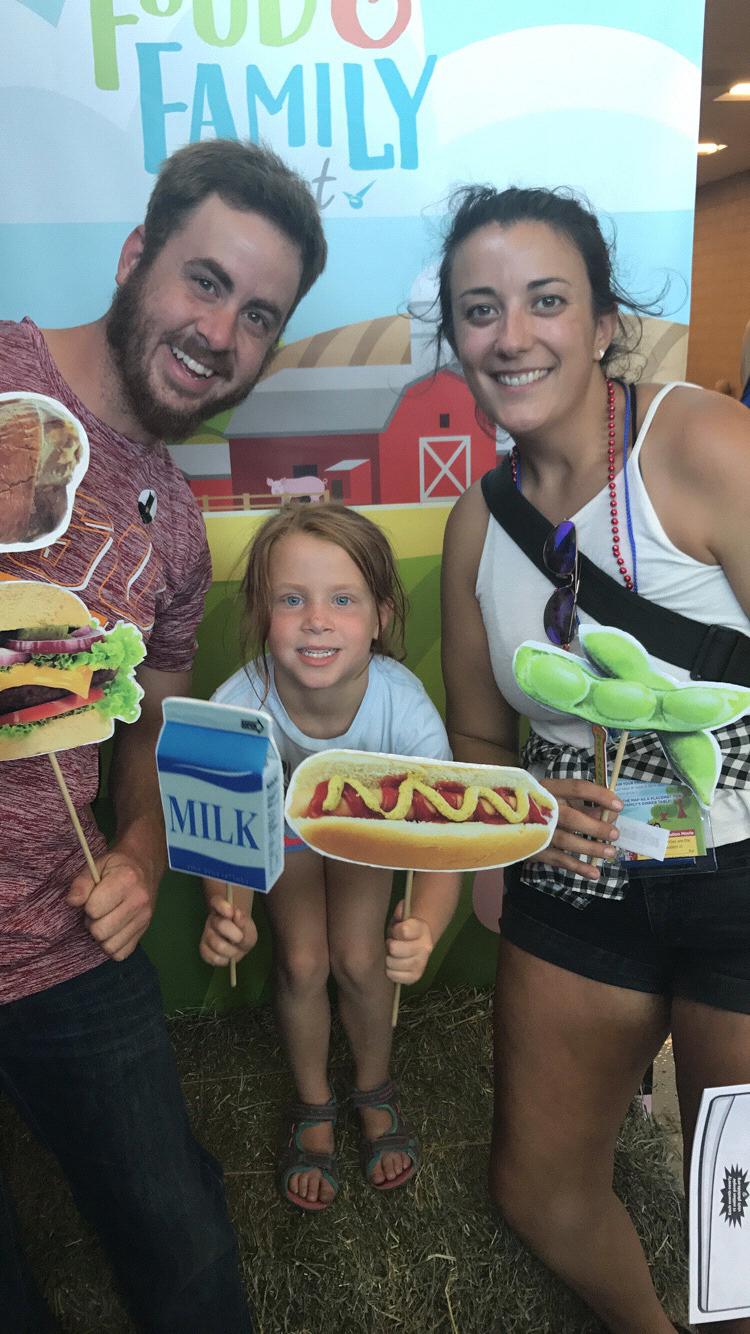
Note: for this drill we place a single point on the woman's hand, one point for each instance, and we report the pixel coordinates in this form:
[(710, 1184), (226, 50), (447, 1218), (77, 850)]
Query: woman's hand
[(229, 933), (585, 808)]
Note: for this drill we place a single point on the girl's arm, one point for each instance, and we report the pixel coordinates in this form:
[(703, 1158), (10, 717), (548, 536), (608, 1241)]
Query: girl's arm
[(410, 942), (230, 932)]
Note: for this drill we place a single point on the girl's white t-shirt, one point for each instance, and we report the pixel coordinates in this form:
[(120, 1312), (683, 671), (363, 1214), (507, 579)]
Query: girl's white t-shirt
[(396, 715)]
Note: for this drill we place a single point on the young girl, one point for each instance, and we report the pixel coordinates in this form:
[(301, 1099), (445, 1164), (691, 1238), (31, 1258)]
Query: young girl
[(325, 614)]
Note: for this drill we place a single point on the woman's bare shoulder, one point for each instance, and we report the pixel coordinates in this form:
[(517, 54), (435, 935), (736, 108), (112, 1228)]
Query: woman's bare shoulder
[(467, 523)]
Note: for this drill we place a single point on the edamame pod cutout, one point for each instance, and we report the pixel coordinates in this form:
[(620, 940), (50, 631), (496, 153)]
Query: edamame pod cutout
[(618, 686)]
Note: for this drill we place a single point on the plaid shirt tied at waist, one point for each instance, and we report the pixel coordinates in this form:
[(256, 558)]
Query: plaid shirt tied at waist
[(643, 760)]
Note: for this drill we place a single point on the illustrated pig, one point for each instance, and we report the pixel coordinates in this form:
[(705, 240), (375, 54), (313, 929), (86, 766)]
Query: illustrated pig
[(297, 486)]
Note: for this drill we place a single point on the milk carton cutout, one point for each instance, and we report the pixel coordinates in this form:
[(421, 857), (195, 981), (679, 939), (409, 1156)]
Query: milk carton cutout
[(222, 792), (720, 1206)]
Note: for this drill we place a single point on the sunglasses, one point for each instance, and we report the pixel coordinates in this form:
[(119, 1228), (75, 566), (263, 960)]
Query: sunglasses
[(560, 555)]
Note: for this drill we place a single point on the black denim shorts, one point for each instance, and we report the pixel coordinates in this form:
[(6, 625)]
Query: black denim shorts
[(681, 935)]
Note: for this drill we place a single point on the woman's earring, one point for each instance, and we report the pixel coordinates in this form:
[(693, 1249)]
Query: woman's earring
[(600, 354)]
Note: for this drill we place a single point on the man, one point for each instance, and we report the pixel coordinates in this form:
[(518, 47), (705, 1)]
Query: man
[(231, 242)]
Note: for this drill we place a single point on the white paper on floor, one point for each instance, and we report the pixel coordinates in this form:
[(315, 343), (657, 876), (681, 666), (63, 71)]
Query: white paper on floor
[(720, 1206)]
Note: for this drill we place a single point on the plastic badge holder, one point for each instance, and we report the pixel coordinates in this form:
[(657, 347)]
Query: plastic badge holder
[(674, 811), (222, 792)]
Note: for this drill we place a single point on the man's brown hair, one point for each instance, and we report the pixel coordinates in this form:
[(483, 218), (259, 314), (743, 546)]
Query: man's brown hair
[(245, 176)]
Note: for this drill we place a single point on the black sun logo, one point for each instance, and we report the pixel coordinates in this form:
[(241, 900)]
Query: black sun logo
[(734, 1195)]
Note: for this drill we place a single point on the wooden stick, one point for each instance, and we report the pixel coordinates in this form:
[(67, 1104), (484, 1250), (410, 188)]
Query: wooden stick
[(407, 911), (232, 963), (63, 786), (616, 767)]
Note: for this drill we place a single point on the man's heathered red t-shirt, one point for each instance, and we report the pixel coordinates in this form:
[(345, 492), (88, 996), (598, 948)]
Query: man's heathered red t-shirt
[(153, 574)]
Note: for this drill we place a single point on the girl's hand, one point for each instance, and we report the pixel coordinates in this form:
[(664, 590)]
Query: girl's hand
[(408, 947), (582, 807), (229, 933)]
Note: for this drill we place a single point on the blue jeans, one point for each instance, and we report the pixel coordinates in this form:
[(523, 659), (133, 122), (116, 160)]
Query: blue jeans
[(90, 1068)]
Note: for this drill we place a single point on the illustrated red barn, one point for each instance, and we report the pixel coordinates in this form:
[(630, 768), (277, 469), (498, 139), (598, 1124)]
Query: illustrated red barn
[(362, 409)]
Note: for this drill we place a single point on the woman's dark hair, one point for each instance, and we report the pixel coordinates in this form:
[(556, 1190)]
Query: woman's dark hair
[(362, 540), (475, 206)]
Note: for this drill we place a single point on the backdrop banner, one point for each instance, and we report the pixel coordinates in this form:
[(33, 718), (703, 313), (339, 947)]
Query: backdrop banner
[(384, 106)]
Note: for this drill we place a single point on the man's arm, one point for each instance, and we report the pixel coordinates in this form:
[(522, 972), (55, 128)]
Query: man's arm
[(120, 907)]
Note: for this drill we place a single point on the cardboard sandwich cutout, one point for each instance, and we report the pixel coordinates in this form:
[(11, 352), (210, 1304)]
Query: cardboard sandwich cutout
[(44, 453), (618, 687), (64, 678)]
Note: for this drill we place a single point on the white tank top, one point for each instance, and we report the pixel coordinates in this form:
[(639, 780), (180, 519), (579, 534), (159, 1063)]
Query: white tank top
[(512, 594)]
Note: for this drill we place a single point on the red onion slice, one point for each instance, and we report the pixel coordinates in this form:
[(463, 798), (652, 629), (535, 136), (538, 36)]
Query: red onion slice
[(9, 657), (74, 644)]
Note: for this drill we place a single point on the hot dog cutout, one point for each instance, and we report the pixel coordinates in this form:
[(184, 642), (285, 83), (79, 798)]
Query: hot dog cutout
[(416, 814), (44, 453)]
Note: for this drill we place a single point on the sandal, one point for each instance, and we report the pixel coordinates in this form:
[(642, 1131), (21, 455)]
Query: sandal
[(295, 1157), (400, 1137)]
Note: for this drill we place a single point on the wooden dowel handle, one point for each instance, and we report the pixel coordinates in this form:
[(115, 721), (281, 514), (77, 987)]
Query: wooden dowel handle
[(407, 913), (72, 812), (232, 963)]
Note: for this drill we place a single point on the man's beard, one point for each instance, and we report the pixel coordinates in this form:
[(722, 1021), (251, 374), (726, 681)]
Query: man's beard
[(129, 334)]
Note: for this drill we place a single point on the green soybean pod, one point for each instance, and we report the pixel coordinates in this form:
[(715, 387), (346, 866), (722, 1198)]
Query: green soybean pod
[(621, 703), (551, 679), (696, 759), (694, 707), (621, 656)]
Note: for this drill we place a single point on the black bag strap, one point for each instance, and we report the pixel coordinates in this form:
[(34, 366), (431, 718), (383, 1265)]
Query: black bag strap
[(709, 652)]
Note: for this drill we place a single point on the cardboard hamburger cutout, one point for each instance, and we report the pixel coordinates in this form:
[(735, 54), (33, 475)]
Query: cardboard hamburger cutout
[(64, 679), (44, 454)]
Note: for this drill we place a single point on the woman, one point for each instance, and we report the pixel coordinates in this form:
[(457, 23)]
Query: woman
[(587, 987)]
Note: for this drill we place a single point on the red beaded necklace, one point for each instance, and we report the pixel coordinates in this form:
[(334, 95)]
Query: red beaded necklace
[(611, 484)]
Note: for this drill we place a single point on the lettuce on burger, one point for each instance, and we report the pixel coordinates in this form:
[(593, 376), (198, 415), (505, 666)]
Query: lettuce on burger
[(63, 679)]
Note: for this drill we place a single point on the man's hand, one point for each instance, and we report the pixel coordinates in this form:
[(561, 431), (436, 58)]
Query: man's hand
[(408, 947), (119, 908), (229, 933)]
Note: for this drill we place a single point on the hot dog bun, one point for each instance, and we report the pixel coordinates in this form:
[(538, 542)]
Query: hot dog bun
[(417, 845)]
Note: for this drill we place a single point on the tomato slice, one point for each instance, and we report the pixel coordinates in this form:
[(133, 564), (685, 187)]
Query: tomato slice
[(36, 713)]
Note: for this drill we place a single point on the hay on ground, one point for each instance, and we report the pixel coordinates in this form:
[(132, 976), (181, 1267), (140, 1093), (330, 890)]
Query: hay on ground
[(431, 1259)]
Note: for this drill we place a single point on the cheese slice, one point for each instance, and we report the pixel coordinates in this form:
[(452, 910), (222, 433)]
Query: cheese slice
[(75, 679)]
